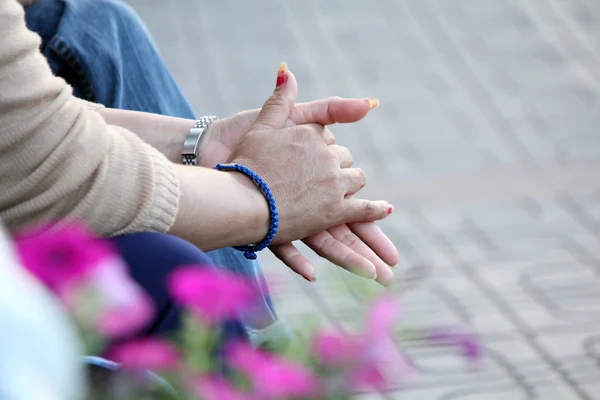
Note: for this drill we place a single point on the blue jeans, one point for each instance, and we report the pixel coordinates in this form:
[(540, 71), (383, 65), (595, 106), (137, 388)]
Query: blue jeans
[(104, 51)]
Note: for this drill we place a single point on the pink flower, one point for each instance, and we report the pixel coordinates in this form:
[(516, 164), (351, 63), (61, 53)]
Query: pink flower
[(467, 341), (124, 308), (374, 360), (89, 277), (272, 377), (60, 257), (212, 387), (384, 313), (212, 295), (335, 350), (384, 365), (145, 354)]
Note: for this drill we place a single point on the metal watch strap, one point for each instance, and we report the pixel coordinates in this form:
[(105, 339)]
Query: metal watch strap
[(190, 146)]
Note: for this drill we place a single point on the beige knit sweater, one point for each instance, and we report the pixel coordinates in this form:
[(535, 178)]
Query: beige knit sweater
[(60, 160)]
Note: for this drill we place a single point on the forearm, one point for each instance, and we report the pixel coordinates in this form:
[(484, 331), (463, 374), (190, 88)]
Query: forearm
[(166, 134), (219, 209)]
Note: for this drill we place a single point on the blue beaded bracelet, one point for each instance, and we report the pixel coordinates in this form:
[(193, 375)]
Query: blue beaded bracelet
[(251, 249)]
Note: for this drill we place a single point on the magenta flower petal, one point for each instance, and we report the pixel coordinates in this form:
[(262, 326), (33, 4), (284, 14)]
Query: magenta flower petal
[(383, 315), (124, 308), (212, 295), (212, 387), (337, 350), (385, 365), (145, 354), (60, 255), (272, 377), (468, 343), (128, 319)]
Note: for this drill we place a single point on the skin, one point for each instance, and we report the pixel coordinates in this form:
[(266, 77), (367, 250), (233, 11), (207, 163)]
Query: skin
[(360, 247)]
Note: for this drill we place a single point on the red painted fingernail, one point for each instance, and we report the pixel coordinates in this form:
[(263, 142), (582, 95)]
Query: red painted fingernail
[(390, 209), (282, 74)]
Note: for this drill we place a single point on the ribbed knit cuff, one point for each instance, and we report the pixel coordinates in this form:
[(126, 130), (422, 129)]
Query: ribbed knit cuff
[(165, 197)]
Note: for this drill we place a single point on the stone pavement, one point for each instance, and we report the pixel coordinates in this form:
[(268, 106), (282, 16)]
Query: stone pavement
[(486, 141)]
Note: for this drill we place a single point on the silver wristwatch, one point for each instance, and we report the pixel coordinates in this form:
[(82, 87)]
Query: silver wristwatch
[(190, 146)]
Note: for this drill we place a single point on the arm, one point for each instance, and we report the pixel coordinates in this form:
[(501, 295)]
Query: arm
[(166, 134), (60, 160)]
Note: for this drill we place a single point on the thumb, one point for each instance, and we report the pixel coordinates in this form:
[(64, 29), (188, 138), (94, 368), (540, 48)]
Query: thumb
[(278, 107)]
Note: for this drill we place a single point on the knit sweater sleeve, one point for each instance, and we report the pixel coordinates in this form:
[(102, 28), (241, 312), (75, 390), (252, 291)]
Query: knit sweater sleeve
[(59, 160)]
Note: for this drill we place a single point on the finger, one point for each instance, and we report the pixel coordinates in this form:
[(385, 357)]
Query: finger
[(290, 256), (343, 234), (326, 246), (342, 154), (360, 210), (354, 179), (332, 110), (278, 107), (372, 235)]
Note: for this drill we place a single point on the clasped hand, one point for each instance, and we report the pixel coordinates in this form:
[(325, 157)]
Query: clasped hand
[(311, 178)]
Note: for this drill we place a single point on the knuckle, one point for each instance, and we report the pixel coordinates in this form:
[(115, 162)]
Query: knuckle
[(275, 100), (369, 210), (361, 178), (305, 130), (327, 243), (328, 136), (348, 155), (349, 239)]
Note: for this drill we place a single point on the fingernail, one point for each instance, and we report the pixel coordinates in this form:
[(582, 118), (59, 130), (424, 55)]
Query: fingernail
[(282, 75), (373, 102), (311, 280), (390, 209)]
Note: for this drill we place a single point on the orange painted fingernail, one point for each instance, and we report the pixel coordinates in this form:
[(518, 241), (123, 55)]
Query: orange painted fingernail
[(282, 74), (373, 102)]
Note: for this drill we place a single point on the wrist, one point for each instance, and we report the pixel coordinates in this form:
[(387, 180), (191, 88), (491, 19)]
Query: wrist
[(191, 145), (255, 212)]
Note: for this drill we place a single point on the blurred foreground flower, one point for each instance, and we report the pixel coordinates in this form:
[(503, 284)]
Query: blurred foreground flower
[(214, 387), (468, 343), (92, 281), (272, 377), (146, 354), (211, 295), (89, 277), (372, 360)]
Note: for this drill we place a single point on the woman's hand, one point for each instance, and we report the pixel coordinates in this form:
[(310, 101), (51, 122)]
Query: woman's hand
[(359, 247)]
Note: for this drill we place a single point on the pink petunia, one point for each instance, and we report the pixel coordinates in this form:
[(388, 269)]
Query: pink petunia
[(211, 387), (212, 295), (272, 377), (384, 313), (124, 307), (372, 360), (89, 276), (467, 342), (334, 350), (145, 354), (384, 365), (61, 256)]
